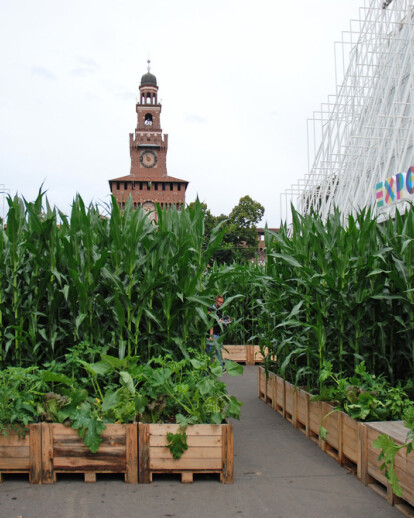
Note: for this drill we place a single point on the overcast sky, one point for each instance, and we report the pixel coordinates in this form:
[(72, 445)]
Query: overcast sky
[(237, 80)]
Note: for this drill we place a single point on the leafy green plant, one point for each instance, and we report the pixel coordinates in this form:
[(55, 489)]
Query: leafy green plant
[(389, 449), (177, 443), (363, 396)]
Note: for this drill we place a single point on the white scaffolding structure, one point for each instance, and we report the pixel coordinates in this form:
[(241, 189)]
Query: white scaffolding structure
[(364, 134)]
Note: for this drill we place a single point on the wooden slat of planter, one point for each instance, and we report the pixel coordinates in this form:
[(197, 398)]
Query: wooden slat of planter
[(194, 429), (352, 432), (131, 454), (301, 418), (35, 441), (290, 406), (15, 464), (13, 452), (261, 383), (205, 441), (111, 430), (266, 386), (226, 476), (185, 463), (279, 395), (194, 452), (14, 440), (315, 419), (332, 421)]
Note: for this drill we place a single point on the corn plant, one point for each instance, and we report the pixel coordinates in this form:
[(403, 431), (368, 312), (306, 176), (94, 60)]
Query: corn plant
[(117, 284)]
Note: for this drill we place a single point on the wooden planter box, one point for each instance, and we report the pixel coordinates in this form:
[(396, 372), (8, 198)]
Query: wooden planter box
[(248, 354), (266, 387), (210, 450), (22, 454), (301, 414), (373, 476), (63, 451), (351, 443), (344, 434)]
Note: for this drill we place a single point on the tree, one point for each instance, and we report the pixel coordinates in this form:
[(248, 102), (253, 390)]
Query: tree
[(240, 234)]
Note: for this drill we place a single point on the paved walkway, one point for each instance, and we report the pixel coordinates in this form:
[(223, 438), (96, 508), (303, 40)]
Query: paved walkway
[(279, 473)]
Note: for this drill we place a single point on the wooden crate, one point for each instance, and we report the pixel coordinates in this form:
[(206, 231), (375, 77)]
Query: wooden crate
[(266, 386), (351, 443), (279, 404), (248, 354), (315, 419), (373, 476), (63, 451), (22, 454), (301, 414), (289, 409), (332, 422), (210, 450)]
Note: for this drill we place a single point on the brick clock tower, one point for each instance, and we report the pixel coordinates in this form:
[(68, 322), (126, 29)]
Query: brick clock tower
[(148, 182)]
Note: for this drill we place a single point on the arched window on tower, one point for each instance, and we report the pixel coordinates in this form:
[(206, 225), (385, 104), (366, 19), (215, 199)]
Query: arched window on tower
[(149, 98), (148, 119)]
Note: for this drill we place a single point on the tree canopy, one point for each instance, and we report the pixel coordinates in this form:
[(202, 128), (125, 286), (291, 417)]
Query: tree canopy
[(239, 230)]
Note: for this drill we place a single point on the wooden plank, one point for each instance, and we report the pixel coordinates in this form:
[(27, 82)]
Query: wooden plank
[(280, 395), (80, 450), (111, 430), (14, 451), (14, 440), (15, 464), (227, 455), (187, 477), (143, 454), (90, 477), (74, 441), (162, 452), (48, 475), (192, 440), (35, 476), (70, 464), (289, 400), (250, 355), (131, 454), (194, 429), (185, 463)]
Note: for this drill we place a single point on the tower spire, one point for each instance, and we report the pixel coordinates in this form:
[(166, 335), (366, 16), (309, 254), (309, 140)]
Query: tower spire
[(149, 65)]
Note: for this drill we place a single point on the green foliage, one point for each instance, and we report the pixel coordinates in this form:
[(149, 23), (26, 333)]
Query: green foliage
[(340, 293), (177, 443), (363, 396), (389, 449), (116, 284), (118, 390), (238, 229)]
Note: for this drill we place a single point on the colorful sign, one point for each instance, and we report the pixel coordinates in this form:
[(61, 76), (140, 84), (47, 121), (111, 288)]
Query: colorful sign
[(395, 188)]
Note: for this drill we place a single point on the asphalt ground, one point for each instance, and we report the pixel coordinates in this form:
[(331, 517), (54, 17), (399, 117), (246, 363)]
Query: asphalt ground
[(279, 473)]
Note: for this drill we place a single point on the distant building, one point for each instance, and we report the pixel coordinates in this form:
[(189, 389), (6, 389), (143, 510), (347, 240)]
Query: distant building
[(148, 183), (261, 252)]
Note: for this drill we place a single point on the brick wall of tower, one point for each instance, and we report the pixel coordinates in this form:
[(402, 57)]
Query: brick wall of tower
[(142, 191)]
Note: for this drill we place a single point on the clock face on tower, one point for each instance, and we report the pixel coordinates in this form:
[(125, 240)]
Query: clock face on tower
[(148, 158)]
